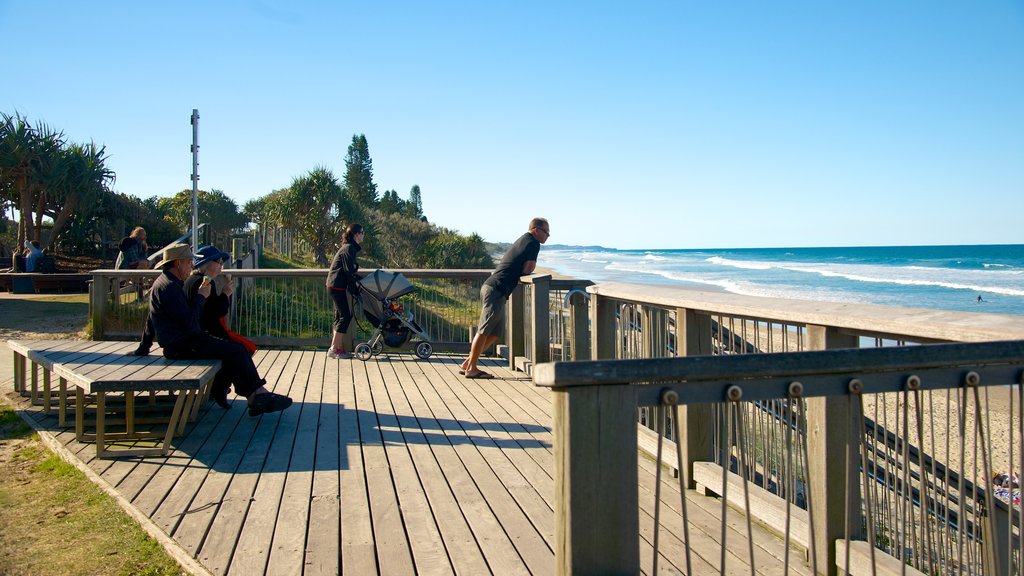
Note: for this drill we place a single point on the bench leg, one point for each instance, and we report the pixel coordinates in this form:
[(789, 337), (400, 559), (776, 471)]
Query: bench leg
[(178, 414), (35, 382), (129, 412), (188, 413), (101, 416), (46, 391), (19, 373), (79, 413), (62, 401)]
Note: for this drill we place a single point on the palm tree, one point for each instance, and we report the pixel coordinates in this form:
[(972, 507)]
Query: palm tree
[(26, 152), (78, 178)]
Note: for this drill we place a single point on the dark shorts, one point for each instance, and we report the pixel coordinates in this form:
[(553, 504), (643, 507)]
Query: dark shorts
[(492, 311)]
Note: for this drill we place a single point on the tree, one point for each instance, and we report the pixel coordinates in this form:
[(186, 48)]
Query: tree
[(215, 209), (359, 186), (399, 239), (390, 203), (84, 179), (27, 155), (44, 177), (414, 206), (313, 207), (450, 250)]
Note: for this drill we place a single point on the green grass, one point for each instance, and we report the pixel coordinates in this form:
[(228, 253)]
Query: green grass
[(54, 521)]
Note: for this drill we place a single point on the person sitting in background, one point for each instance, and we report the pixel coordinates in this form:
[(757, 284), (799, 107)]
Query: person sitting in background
[(32, 255), (132, 251), (175, 322)]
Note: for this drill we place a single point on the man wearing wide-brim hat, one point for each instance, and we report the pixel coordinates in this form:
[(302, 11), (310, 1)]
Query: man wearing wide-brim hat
[(176, 323)]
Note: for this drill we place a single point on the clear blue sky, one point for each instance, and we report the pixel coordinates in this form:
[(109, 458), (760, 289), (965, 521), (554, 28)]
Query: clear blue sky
[(648, 124)]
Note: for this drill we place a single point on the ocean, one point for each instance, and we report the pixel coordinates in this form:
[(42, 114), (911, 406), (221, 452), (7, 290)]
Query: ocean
[(935, 277)]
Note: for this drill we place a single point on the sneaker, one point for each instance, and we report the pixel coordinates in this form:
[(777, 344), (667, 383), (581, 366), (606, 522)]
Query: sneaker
[(339, 354), (267, 403)]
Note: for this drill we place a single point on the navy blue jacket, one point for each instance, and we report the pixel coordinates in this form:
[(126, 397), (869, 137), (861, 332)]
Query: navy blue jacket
[(174, 317)]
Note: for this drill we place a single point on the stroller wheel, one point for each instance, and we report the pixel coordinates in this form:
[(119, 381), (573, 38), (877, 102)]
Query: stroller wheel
[(424, 350), (363, 352), (377, 347)]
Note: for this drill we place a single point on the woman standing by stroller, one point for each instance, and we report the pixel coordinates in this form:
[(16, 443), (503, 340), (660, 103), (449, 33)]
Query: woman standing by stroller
[(341, 282)]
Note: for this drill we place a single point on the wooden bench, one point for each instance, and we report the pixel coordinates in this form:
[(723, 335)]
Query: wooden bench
[(97, 369)]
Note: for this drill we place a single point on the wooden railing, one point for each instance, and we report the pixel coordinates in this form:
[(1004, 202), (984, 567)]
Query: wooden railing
[(292, 308), (642, 324)]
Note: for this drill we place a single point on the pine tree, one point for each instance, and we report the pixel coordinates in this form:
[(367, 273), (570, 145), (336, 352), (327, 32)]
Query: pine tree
[(414, 206), (358, 184)]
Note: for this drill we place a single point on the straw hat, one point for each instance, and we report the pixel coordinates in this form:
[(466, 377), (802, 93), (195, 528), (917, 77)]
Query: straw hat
[(175, 252)]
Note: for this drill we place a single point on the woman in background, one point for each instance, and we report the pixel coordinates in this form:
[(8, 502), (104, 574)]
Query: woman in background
[(341, 283), (132, 251)]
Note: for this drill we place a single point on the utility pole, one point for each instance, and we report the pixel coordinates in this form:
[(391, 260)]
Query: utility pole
[(195, 180)]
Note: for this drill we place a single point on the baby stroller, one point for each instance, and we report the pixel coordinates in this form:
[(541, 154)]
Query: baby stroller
[(379, 292)]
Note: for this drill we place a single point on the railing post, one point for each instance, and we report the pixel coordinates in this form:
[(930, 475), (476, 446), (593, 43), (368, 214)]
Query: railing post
[(516, 329), (596, 494), (580, 327), (602, 328), (99, 291), (832, 482), (696, 421), (540, 323), (996, 536)]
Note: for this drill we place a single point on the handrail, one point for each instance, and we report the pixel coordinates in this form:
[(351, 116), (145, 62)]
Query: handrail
[(919, 324), (596, 449), (755, 368)]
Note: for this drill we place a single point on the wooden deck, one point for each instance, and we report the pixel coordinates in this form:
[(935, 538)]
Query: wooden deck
[(393, 466)]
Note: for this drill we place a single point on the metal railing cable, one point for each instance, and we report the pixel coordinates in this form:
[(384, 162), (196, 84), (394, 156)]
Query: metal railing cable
[(671, 398), (659, 425)]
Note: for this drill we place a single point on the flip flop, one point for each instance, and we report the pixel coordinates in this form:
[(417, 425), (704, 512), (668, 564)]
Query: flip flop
[(480, 375)]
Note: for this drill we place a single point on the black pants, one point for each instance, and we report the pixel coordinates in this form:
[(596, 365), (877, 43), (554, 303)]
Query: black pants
[(236, 368), (342, 310)]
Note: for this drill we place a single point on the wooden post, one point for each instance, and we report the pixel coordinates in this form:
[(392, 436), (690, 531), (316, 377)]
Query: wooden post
[(830, 426), (996, 536), (580, 327), (540, 323), (596, 507), (602, 328), (98, 292), (696, 421), (515, 326)]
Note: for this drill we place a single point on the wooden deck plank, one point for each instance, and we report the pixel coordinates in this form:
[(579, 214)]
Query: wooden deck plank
[(358, 554), (518, 471), (495, 544), (323, 541), (237, 428), (388, 531), (218, 546), (462, 549), (287, 553), (254, 543), (488, 468), (428, 550)]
